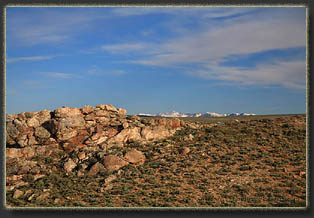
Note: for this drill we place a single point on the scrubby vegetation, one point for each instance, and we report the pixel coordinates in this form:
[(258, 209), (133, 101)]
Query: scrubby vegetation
[(248, 162)]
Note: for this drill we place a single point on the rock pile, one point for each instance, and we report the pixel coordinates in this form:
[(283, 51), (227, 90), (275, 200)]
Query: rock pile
[(83, 131), (74, 128)]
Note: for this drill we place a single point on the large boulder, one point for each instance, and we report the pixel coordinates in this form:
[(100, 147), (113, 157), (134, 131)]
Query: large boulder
[(135, 157), (126, 135), (112, 162), (67, 112), (96, 168), (107, 107), (87, 109), (67, 127)]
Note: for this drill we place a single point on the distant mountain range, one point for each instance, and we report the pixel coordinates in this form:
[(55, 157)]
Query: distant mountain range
[(205, 114)]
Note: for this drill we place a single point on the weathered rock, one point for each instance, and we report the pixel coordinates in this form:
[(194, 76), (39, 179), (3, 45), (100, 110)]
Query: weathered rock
[(13, 153), (174, 123), (76, 142), (47, 150), (81, 155), (31, 197), (71, 122), (134, 117), (109, 179), (102, 113), (30, 114), (73, 128), (69, 165), (87, 109), (26, 166), (38, 176), (22, 141), (125, 125), (111, 132), (11, 129), (135, 157), (156, 133), (126, 135), (80, 173), (41, 132), (32, 140), (107, 107), (18, 193), (33, 122), (43, 196), (10, 117), (96, 168), (67, 112), (121, 111), (90, 117), (302, 174), (112, 162), (185, 150), (188, 137)]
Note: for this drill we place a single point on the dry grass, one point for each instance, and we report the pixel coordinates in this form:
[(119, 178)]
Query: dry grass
[(257, 162)]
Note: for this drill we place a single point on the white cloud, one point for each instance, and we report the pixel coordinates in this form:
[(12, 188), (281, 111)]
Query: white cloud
[(213, 43), (209, 46), (48, 25), (60, 75), (95, 70), (239, 38), (199, 11), (290, 74), (126, 47), (33, 58)]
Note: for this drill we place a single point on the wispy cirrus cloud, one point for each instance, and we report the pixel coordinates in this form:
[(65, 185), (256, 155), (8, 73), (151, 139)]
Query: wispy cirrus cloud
[(200, 12), (60, 75), (125, 47), (97, 71), (239, 38), (135, 47), (32, 58), (289, 74), (209, 46), (48, 25)]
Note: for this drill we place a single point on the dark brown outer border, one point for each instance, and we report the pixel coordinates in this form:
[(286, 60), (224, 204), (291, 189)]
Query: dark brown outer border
[(124, 212)]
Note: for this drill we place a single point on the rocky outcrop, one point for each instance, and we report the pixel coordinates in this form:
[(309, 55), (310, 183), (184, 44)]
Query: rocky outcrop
[(74, 128), (76, 140)]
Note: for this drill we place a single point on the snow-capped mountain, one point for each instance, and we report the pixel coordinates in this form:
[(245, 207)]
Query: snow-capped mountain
[(205, 114)]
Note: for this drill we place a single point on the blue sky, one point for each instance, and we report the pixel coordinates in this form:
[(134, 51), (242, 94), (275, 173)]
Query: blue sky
[(157, 59)]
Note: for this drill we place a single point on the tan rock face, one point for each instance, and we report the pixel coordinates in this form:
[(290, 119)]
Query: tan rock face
[(69, 165), (43, 196), (41, 132), (109, 179), (18, 193), (87, 109), (67, 112), (107, 107), (185, 150), (112, 162), (122, 111), (96, 168), (81, 155), (135, 157), (75, 128)]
